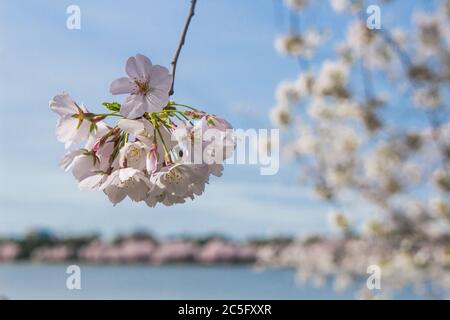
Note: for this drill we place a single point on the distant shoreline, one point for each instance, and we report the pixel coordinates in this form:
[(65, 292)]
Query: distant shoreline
[(134, 249)]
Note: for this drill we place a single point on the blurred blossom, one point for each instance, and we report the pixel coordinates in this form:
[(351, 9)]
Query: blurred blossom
[(359, 36), (332, 79), (299, 45), (442, 179), (9, 251), (440, 207), (305, 84), (297, 4), (340, 5), (287, 92), (429, 98), (338, 220), (281, 116)]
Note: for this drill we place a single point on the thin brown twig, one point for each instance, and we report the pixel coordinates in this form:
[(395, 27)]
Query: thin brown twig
[(180, 44)]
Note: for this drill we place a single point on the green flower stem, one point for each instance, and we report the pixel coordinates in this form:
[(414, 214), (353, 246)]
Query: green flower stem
[(187, 119), (172, 111), (178, 117), (166, 152), (167, 125), (181, 112), (154, 135), (114, 115), (183, 105)]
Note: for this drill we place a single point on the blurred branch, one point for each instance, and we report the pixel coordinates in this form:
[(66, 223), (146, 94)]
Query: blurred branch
[(407, 64), (180, 44)]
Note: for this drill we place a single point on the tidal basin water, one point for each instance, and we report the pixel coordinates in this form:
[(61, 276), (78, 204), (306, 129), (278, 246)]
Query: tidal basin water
[(33, 281)]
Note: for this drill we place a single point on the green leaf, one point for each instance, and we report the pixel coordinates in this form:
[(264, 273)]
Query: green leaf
[(93, 127), (113, 106)]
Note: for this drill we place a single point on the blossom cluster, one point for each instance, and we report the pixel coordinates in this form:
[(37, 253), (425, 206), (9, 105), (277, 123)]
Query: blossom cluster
[(158, 151)]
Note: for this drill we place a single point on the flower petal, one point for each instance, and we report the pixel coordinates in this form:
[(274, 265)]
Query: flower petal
[(139, 67), (63, 105), (132, 69), (144, 66), (111, 180), (66, 129), (115, 194), (149, 128), (83, 167), (133, 107), (68, 132), (155, 101), (160, 78), (152, 160), (137, 191), (91, 183), (122, 85), (134, 127), (66, 162), (127, 173)]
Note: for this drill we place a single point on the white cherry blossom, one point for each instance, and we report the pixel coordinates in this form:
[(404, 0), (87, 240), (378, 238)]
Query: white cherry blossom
[(72, 127), (126, 182), (147, 84)]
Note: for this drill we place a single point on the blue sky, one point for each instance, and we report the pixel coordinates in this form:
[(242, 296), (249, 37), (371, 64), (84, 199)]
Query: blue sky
[(228, 67)]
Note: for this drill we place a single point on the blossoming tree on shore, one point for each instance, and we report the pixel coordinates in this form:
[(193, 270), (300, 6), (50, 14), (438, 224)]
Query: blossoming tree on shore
[(371, 119)]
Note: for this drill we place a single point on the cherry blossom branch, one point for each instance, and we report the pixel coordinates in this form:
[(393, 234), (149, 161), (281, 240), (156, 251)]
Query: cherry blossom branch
[(180, 44)]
